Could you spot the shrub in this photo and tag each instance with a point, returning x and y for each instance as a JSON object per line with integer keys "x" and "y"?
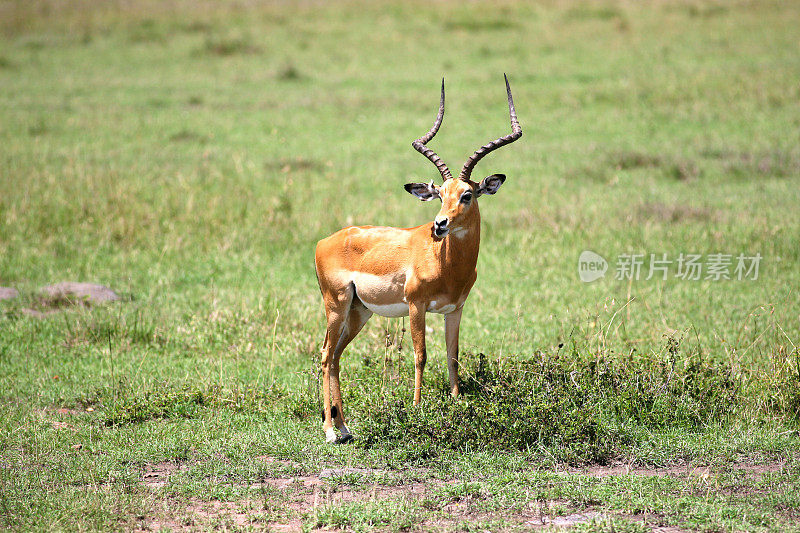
{"x": 578, "y": 409}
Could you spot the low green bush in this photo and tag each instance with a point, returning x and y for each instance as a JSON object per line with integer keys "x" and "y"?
{"x": 579, "y": 409}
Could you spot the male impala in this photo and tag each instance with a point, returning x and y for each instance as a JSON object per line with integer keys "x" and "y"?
{"x": 398, "y": 272}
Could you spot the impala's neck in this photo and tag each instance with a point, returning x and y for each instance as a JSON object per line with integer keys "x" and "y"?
{"x": 459, "y": 250}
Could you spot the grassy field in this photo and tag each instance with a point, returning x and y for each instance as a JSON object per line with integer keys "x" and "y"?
{"x": 189, "y": 155}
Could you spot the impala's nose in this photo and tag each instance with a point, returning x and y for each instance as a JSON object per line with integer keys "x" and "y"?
{"x": 440, "y": 228}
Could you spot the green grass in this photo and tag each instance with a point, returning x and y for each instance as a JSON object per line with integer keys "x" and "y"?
{"x": 190, "y": 154}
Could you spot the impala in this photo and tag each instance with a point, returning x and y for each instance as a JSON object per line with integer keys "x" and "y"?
{"x": 405, "y": 272}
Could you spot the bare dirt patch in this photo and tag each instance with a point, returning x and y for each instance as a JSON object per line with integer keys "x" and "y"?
{"x": 157, "y": 475}
{"x": 534, "y": 515}
{"x": 284, "y": 503}
{"x": 287, "y": 503}
{"x": 571, "y": 519}
{"x": 66, "y": 295}
{"x": 35, "y": 313}
{"x": 270, "y": 459}
{"x": 195, "y": 515}
{"x": 298, "y": 497}
{"x": 63, "y": 419}
{"x": 71, "y": 293}
{"x": 65, "y": 411}
{"x": 8, "y": 293}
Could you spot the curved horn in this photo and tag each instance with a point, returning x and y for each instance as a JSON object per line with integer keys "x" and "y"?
{"x": 516, "y": 133}
{"x": 419, "y": 144}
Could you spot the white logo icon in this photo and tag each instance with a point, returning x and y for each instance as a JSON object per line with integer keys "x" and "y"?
{"x": 591, "y": 266}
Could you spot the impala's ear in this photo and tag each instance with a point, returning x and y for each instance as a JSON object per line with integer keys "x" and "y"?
{"x": 490, "y": 184}
{"x": 423, "y": 191}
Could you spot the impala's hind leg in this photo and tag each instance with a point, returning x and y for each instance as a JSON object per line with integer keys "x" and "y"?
{"x": 346, "y": 316}
{"x": 356, "y": 319}
{"x": 337, "y": 307}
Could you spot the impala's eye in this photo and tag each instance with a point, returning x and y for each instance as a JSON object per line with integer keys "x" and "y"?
{"x": 466, "y": 197}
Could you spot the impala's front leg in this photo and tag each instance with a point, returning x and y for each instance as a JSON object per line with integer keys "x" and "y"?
{"x": 451, "y": 325}
{"x": 416, "y": 317}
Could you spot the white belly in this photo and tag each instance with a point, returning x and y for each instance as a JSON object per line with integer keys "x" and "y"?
{"x": 388, "y": 310}
{"x": 436, "y": 307}
{"x": 383, "y": 295}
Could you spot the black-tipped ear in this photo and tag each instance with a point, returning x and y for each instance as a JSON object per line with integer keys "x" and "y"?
{"x": 424, "y": 191}
{"x": 490, "y": 184}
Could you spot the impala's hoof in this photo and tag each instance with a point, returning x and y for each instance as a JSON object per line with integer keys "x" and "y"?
{"x": 330, "y": 436}
{"x": 344, "y": 439}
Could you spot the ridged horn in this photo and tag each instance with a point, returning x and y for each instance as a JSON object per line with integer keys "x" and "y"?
{"x": 516, "y": 133}
{"x": 419, "y": 144}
